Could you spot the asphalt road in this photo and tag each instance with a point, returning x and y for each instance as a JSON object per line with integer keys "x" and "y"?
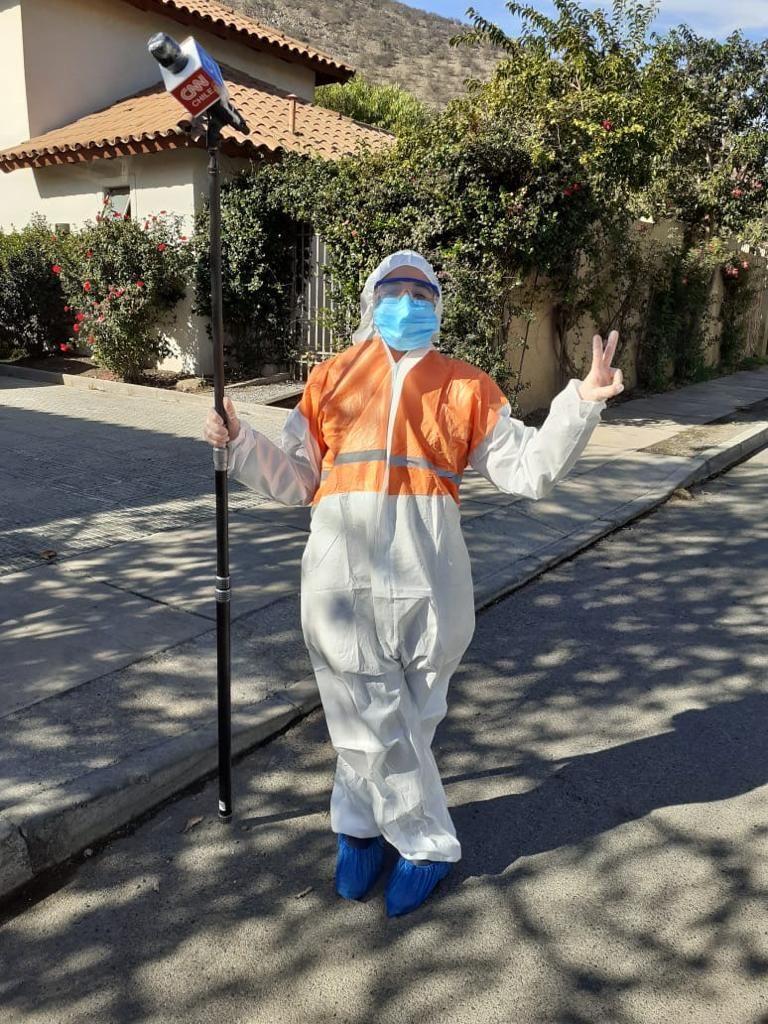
{"x": 606, "y": 763}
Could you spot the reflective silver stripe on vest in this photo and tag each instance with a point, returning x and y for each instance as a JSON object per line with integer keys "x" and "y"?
{"x": 404, "y": 460}
{"x": 375, "y": 455}
{"x": 380, "y": 455}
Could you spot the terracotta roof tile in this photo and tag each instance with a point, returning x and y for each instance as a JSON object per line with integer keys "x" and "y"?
{"x": 224, "y": 21}
{"x": 152, "y": 120}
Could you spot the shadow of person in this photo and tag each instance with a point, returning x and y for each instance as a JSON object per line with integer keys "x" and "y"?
{"x": 709, "y": 755}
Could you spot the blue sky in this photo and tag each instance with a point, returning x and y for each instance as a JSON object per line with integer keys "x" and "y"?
{"x": 707, "y": 17}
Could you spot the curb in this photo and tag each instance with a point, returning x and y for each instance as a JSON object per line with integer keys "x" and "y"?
{"x": 115, "y": 387}
{"x": 56, "y": 826}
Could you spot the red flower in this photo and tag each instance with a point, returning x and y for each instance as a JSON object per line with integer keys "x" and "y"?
{"x": 75, "y": 328}
{"x": 89, "y": 253}
{"x": 64, "y": 346}
{"x": 87, "y": 286}
{"x": 56, "y": 268}
{"x": 737, "y": 193}
{"x": 139, "y": 284}
{"x": 80, "y": 317}
{"x": 118, "y": 215}
{"x": 607, "y": 124}
{"x": 162, "y": 247}
{"x": 183, "y": 238}
{"x": 120, "y": 292}
{"x": 162, "y": 213}
{"x": 567, "y": 191}
{"x": 66, "y": 309}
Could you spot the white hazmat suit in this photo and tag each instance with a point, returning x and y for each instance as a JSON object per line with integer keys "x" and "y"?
{"x": 378, "y": 447}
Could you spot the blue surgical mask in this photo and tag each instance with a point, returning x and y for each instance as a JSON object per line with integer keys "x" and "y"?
{"x": 405, "y": 323}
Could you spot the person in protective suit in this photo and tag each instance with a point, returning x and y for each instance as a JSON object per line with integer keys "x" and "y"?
{"x": 377, "y": 446}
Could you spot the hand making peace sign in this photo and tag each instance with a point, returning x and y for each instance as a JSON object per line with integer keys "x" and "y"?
{"x": 603, "y": 381}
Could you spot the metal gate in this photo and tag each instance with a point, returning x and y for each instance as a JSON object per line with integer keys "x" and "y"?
{"x": 315, "y": 340}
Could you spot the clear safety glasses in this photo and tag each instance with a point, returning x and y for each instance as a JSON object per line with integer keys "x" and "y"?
{"x": 394, "y": 287}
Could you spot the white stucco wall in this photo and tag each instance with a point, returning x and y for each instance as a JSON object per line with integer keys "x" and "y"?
{"x": 82, "y": 55}
{"x": 14, "y": 124}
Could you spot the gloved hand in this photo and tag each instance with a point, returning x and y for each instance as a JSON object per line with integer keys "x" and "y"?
{"x": 214, "y": 430}
{"x": 603, "y": 380}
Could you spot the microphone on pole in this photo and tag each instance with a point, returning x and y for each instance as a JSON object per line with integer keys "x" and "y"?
{"x": 194, "y": 78}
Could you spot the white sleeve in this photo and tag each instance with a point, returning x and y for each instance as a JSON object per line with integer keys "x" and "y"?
{"x": 288, "y": 472}
{"x": 530, "y": 460}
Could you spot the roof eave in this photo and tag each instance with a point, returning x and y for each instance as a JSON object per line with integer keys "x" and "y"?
{"x": 326, "y": 72}
{"x": 71, "y": 155}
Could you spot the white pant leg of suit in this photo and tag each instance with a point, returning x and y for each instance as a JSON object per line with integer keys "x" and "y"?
{"x": 383, "y": 654}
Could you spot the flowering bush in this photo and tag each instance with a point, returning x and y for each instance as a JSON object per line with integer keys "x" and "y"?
{"x": 32, "y": 314}
{"x": 122, "y": 280}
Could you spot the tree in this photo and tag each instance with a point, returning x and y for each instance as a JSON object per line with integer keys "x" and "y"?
{"x": 711, "y": 107}
{"x": 385, "y": 106}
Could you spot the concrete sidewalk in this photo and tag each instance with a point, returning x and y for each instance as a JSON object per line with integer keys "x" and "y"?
{"x": 108, "y": 694}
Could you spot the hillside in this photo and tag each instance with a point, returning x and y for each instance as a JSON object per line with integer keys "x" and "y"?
{"x": 386, "y": 41}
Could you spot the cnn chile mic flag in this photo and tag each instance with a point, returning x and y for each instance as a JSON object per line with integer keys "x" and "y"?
{"x": 199, "y": 84}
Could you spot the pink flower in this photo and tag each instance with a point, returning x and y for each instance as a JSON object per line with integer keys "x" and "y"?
{"x": 75, "y": 328}
{"x": 80, "y": 317}
{"x": 607, "y": 124}
{"x": 101, "y": 318}
{"x": 66, "y": 309}
{"x": 162, "y": 247}
{"x": 64, "y": 346}
{"x": 56, "y": 268}
{"x": 737, "y": 193}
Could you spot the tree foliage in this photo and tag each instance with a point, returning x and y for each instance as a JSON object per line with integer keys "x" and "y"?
{"x": 386, "y": 106}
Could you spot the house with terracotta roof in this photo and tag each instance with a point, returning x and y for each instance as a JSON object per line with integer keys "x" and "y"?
{"x": 87, "y": 116}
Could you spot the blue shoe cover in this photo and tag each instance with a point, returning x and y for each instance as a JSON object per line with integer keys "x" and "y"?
{"x": 357, "y": 868}
{"x": 410, "y": 884}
